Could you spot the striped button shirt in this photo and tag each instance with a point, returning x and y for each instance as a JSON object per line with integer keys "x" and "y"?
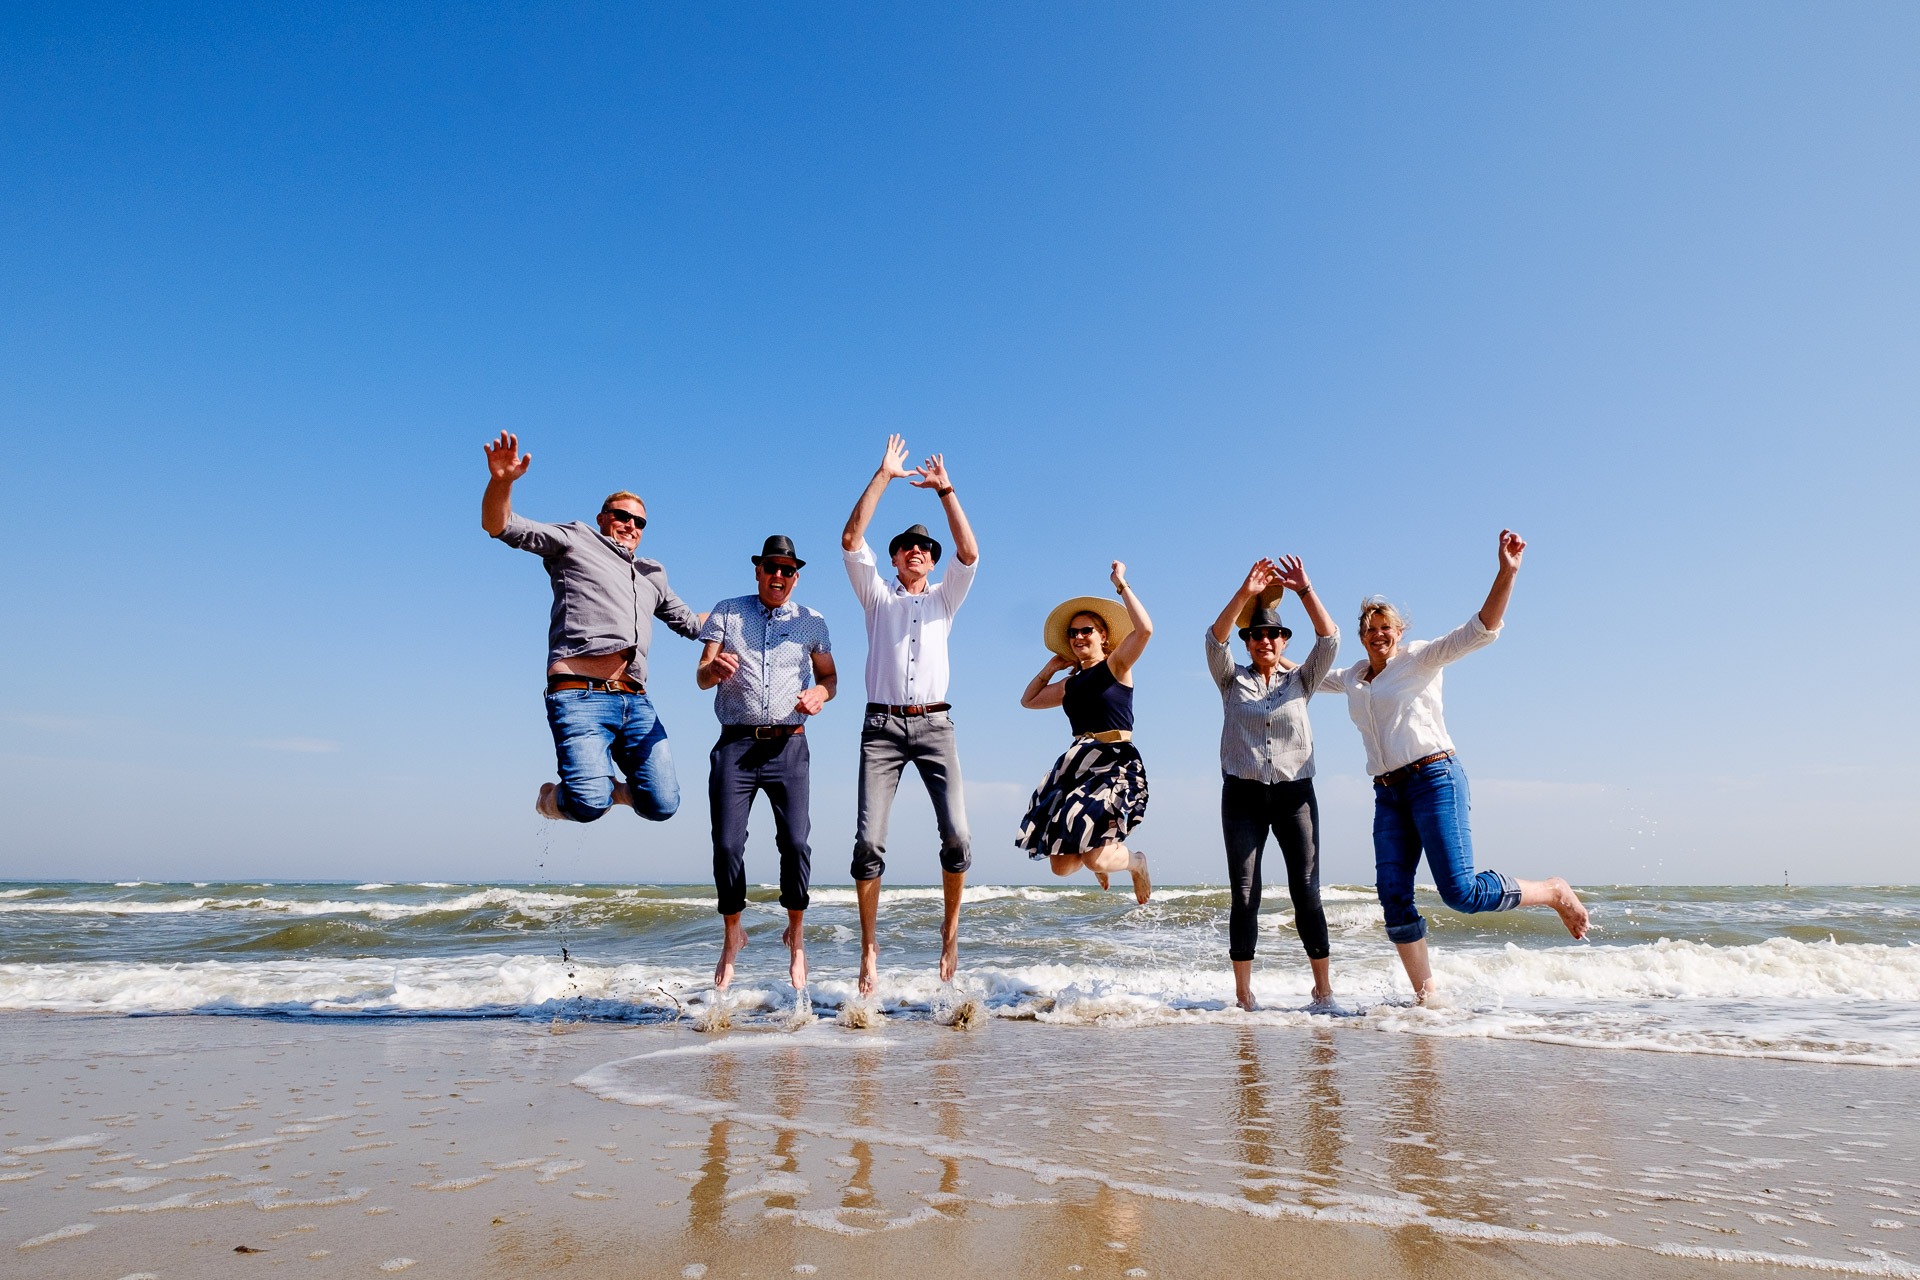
{"x": 1267, "y": 736}
{"x": 775, "y": 648}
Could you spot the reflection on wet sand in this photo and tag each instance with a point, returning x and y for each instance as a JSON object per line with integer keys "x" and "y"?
{"x": 707, "y": 1201}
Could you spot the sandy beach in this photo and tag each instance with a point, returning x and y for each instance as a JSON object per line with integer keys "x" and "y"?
{"x": 197, "y": 1146}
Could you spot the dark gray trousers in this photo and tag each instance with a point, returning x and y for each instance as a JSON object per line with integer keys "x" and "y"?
{"x": 889, "y": 743}
{"x": 1248, "y": 810}
{"x": 736, "y": 771}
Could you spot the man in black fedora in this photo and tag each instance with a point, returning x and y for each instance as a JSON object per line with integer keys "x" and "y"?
{"x": 772, "y": 663}
{"x": 908, "y": 621}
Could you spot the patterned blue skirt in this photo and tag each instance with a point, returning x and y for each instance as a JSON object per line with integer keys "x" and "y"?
{"x": 1095, "y": 792}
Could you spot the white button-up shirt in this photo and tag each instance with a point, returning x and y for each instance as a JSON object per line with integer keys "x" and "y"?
{"x": 1398, "y": 711}
{"x": 906, "y": 632}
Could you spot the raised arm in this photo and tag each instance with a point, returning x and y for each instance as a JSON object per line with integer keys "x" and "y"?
{"x": 1494, "y": 611}
{"x": 1128, "y": 651}
{"x": 505, "y": 464}
{"x": 892, "y": 467}
{"x": 1292, "y": 575}
{"x": 1041, "y": 695}
{"x": 933, "y": 474}
{"x": 1258, "y": 579}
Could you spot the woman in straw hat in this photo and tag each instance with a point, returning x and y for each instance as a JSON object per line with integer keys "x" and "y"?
{"x": 1419, "y": 789}
{"x": 1266, "y": 762}
{"x": 1096, "y": 791}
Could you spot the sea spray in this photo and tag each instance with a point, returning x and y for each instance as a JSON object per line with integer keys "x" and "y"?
{"x": 715, "y": 1015}
{"x": 801, "y": 1014}
{"x": 962, "y": 1012}
{"x": 861, "y": 1015}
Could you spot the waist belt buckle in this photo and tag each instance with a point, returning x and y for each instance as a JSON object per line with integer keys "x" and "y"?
{"x": 914, "y": 709}
{"x": 762, "y": 732}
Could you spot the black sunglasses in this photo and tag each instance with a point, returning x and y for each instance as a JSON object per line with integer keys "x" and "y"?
{"x": 625, "y": 517}
{"x": 1263, "y": 633}
{"x": 1081, "y": 631}
{"x": 780, "y": 570}
{"x": 918, "y": 544}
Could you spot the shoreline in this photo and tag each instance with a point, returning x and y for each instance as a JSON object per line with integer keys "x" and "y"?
{"x": 483, "y": 1148}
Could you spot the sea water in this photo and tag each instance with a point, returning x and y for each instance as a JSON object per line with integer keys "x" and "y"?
{"x": 1813, "y": 974}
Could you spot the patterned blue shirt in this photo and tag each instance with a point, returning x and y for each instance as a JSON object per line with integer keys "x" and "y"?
{"x": 775, "y": 648}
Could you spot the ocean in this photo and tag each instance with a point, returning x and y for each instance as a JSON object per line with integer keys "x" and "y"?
{"x": 1827, "y": 975}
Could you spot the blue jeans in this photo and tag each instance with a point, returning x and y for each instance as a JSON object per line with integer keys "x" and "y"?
{"x": 595, "y": 732}
{"x": 1427, "y": 809}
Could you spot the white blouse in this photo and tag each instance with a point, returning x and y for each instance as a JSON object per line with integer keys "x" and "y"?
{"x": 1398, "y": 711}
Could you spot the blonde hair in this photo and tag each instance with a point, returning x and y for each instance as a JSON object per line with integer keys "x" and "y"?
{"x": 612, "y": 498}
{"x": 1380, "y": 605}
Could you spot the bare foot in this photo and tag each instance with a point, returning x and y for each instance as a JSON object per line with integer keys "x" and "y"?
{"x": 730, "y": 948}
{"x": 622, "y": 795}
{"x": 547, "y": 803}
{"x": 1567, "y": 903}
{"x": 797, "y": 966}
{"x": 1142, "y": 886}
{"x": 949, "y": 954}
{"x": 869, "y": 969}
{"x": 1246, "y": 1001}
{"x": 1101, "y": 876}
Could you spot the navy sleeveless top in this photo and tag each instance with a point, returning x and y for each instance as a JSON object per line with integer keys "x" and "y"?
{"x": 1095, "y": 702}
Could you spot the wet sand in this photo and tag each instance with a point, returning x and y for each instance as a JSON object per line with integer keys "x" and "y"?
{"x": 199, "y": 1146}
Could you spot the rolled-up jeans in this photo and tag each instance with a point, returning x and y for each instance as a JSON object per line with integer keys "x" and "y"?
{"x": 596, "y": 732}
{"x": 1426, "y": 810}
{"x": 888, "y": 743}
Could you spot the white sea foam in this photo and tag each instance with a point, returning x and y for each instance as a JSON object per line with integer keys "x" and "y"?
{"x": 535, "y": 904}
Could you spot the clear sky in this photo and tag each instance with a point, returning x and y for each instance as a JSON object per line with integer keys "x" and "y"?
{"x": 1179, "y": 284}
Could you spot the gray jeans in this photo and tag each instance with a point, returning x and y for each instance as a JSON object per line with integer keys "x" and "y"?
{"x": 887, "y": 744}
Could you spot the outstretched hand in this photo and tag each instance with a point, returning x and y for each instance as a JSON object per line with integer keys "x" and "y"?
{"x": 894, "y": 465}
{"x": 1261, "y": 576}
{"x": 1292, "y": 575}
{"x": 934, "y": 474}
{"x": 504, "y": 459}
{"x": 1512, "y": 545}
{"x": 1118, "y": 575}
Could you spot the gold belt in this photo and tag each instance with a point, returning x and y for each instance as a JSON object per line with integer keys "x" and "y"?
{"x": 1107, "y": 735}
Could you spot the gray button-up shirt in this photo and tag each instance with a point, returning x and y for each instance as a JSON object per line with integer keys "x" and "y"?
{"x": 1267, "y": 736}
{"x": 604, "y": 600}
{"x": 775, "y": 648}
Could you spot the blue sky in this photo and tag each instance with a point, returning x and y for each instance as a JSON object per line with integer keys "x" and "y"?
{"x": 1178, "y": 284}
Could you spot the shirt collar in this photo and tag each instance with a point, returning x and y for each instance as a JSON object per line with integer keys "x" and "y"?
{"x": 900, "y": 589}
{"x": 780, "y": 612}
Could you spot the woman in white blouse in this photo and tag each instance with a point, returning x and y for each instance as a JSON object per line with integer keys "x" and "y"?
{"x": 1419, "y": 788}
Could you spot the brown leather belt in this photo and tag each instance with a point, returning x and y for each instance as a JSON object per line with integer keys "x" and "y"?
{"x": 910, "y": 709}
{"x": 1392, "y": 776}
{"x": 761, "y": 732}
{"x": 619, "y": 684}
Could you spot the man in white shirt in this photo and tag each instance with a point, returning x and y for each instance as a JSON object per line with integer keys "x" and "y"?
{"x": 908, "y": 620}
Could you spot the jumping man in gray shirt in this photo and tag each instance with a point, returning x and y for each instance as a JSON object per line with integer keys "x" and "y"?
{"x": 611, "y": 746}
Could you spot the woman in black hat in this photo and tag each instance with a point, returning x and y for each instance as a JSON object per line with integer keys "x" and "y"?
{"x": 1096, "y": 792}
{"x": 1266, "y": 762}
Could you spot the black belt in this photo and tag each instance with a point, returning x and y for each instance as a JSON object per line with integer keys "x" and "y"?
{"x": 762, "y": 732}
{"x": 910, "y": 709}
{"x": 619, "y": 684}
{"x": 1392, "y": 776}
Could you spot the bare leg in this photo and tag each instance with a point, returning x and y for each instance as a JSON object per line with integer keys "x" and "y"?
{"x": 1065, "y": 864}
{"x": 1322, "y": 978}
{"x": 1558, "y": 894}
{"x": 1413, "y": 955}
{"x": 797, "y": 944}
{"x": 731, "y": 944}
{"x": 1243, "y": 985}
{"x": 622, "y": 794}
{"x": 868, "y": 893}
{"x": 951, "y": 882}
{"x": 1101, "y": 876}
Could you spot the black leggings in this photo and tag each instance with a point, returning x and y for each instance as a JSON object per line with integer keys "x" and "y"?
{"x": 1247, "y": 810}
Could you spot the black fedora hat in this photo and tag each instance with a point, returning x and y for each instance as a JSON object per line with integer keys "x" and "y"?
{"x": 779, "y": 544}
{"x": 914, "y": 533}
{"x": 1264, "y": 614}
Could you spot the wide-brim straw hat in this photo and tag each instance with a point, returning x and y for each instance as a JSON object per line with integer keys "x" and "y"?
{"x": 1112, "y": 612}
{"x": 1267, "y": 608}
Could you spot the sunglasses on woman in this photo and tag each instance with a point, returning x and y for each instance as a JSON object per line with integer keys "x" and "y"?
{"x": 1081, "y": 631}
{"x": 625, "y": 517}
{"x": 1263, "y": 633}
